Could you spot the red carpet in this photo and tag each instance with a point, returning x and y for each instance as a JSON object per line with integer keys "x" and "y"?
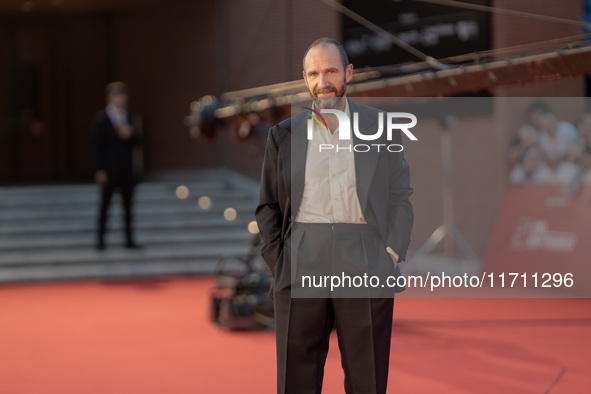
{"x": 154, "y": 337}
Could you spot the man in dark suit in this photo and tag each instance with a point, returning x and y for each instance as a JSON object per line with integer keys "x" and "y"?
{"x": 114, "y": 135}
{"x": 325, "y": 213}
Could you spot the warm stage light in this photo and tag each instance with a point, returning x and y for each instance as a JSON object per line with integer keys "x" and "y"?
{"x": 204, "y": 202}
{"x": 230, "y": 214}
{"x": 253, "y": 228}
{"x": 182, "y": 192}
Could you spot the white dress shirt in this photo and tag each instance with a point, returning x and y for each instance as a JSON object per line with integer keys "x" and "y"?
{"x": 116, "y": 115}
{"x": 330, "y": 187}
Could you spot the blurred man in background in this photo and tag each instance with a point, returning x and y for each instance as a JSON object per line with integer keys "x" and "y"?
{"x": 114, "y": 136}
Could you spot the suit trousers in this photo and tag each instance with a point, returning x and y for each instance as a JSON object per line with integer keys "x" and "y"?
{"x": 125, "y": 186}
{"x": 305, "y": 317}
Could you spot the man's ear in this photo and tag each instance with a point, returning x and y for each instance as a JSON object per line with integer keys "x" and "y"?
{"x": 349, "y": 73}
{"x": 305, "y": 78}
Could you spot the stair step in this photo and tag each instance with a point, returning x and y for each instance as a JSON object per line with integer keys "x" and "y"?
{"x": 115, "y": 255}
{"x": 10, "y": 192}
{"x": 165, "y": 212}
{"x": 148, "y": 237}
{"x": 74, "y": 226}
{"x": 9, "y": 215}
{"x": 26, "y": 202}
{"x": 108, "y": 271}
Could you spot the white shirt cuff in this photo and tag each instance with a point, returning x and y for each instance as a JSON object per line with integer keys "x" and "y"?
{"x": 392, "y": 252}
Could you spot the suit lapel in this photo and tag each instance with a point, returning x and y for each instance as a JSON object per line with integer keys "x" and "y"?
{"x": 110, "y": 125}
{"x": 299, "y": 151}
{"x": 365, "y": 162}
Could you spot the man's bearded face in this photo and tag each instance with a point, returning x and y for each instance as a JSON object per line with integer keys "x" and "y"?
{"x": 327, "y": 102}
{"x": 326, "y": 76}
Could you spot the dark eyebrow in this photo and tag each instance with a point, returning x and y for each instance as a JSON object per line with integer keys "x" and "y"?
{"x": 326, "y": 70}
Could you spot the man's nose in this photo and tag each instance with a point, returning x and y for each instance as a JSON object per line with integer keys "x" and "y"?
{"x": 322, "y": 81}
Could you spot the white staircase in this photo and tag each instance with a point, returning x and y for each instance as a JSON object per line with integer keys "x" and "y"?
{"x": 48, "y": 232}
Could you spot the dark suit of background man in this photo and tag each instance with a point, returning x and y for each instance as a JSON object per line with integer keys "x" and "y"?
{"x": 114, "y": 136}
{"x": 303, "y": 223}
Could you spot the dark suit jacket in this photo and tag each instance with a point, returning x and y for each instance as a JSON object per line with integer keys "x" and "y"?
{"x": 111, "y": 153}
{"x": 383, "y": 185}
